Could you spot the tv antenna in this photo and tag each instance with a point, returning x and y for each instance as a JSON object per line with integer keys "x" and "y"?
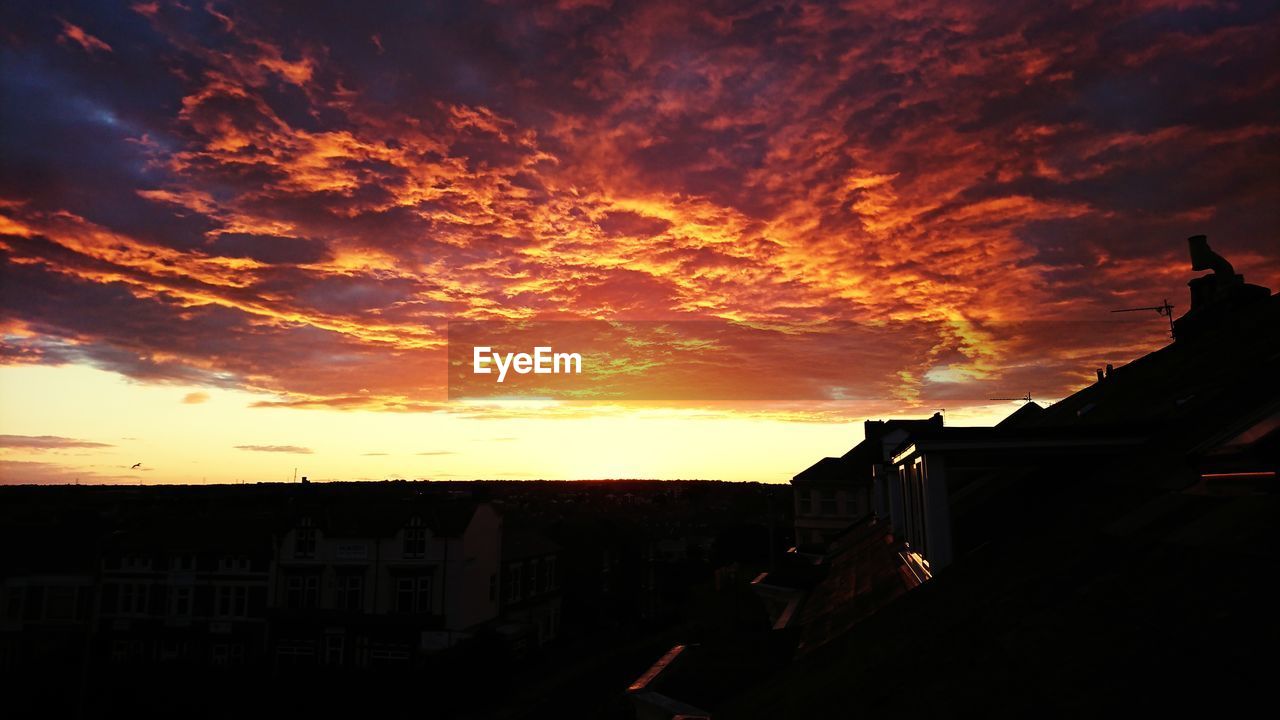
{"x": 1025, "y": 398}
{"x": 1166, "y": 310}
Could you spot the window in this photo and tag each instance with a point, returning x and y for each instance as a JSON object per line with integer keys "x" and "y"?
{"x": 413, "y": 594}
{"x": 388, "y": 655}
{"x": 293, "y": 653}
{"x": 549, "y": 567}
{"x": 847, "y": 502}
{"x": 135, "y": 562}
{"x": 535, "y": 579}
{"x": 233, "y": 564}
{"x": 304, "y": 543}
{"x": 231, "y": 601}
{"x": 829, "y": 502}
{"x": 813, "y": 502}
{"x": 13, "y": 602}
{"x": 334, "y": 647}
{"x": 350, "y": 592}
{"x": 171, "y": 650}
{"x": 513, "y": 582}
{"x": 180, "y": 601}
{"x": 132, "y": 599}
{"x": 224, "y": 654}
{"x": 415, "y": 539}
{"x": 302, "y": 591}
{"x": 60, "y": 602}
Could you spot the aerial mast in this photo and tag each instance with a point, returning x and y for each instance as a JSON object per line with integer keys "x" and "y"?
{"x": 1165, "y": 309}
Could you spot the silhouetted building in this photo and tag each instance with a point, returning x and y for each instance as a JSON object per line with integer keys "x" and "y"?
{"x": 369, "y": 584}
{"x": 1122, "y": 530}
{"x": 835, "y": 493}
{"x": 530, "y": 589}
{"x": 49, "y": 594}
{"x": 185, "y": 591}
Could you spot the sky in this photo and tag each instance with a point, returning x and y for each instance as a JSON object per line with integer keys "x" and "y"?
{"x": 233, "y": 235}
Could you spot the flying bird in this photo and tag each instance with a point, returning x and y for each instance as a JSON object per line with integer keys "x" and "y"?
{"x": 136, "y": 466}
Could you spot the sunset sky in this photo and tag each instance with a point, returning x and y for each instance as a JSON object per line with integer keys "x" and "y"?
{"x": 233, "y": 235}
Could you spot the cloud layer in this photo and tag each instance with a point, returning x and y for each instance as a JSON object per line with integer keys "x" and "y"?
{"x": 298, "y": 199}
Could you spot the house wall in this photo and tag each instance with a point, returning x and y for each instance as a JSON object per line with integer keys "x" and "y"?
{"x": 817, "y": 521}
{"x": 475, "y": 567}
{"x": 920, "y": 506}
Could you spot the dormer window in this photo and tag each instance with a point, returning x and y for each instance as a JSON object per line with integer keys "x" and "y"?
{"x": 304, "y": 544}
{"x": 135, "y": 563}
{"x": 233, "y": 564}
{"x": 415, "y": 539}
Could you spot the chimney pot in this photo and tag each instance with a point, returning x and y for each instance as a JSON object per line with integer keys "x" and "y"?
{"x": 1100, "y": 375}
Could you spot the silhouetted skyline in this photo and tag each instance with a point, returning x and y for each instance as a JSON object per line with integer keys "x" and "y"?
{"x": 230, "y": 229}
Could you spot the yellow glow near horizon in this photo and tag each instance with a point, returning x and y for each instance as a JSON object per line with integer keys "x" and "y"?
{"x": 180, "y": 442}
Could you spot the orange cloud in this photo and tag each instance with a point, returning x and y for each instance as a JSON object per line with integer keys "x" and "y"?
{"x": 77, "y": 35}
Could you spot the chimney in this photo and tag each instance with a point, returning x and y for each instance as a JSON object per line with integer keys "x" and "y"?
{"x": 1217, "y": 296}
{"x": 1202, "y": 258}
{"x": 1109, "y": 369}
{"x": 1100, "y": 375}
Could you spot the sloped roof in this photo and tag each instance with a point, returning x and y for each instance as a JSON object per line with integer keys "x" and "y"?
{"x": 866, "y": 453}
{"x": 1102, "y": 593}
{"x": 1197, "y": 383}
{"x": 826, "y": 470}
{"x": 1022, "y": 416}
{"x": 864, "y": 574}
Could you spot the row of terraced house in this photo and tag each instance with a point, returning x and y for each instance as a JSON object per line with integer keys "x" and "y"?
{"x": 344, "y": 584}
